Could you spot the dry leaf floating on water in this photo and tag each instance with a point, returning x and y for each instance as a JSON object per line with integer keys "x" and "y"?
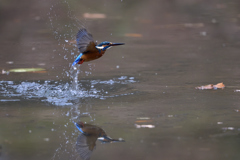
{"x": 211, "y": 86}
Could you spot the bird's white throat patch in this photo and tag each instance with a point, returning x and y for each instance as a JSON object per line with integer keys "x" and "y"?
{"x": 102, "y": 47}
{"x": 99, "y": 47}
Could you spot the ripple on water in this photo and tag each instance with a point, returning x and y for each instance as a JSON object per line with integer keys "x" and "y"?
{"x": 60, "y": 93}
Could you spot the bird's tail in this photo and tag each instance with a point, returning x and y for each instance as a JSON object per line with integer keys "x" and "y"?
{"x": 77, "y": 59}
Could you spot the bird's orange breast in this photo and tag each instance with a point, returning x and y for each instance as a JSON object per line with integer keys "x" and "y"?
{"x": 92, "y": 56}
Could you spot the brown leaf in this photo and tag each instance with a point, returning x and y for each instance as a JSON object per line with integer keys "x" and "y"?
{"x": 143, "y": 121}
{"x": 94, "y": 15}
{"x": 219, "y": 85}
{"x": 211, "y": 86}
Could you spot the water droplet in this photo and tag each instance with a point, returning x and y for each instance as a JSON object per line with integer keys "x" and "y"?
{"x": 9, "y": 62}
{"x": 203, "y": 33}
{"x": 214, "y": 21}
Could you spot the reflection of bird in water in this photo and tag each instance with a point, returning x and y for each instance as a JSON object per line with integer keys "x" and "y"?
{"x": 85, "y": 145}
{"x": 92, "y": 130}
{"x": 86, "y": 141}
{"x": 89, "y": 50}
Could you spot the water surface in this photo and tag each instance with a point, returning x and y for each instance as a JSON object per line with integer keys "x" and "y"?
{"x": 143, "y": 92}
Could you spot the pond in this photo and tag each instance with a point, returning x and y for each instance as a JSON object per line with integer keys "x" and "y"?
{"x": 142, "y": 92}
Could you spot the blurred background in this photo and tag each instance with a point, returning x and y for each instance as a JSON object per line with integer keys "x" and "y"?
{"x": 143, "y": 92}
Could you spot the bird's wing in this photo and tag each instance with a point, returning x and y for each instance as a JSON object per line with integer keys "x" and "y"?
{"x": 84, "y": 40}
{"x": 91, "y": 48}
{"x": 83, "y": 148}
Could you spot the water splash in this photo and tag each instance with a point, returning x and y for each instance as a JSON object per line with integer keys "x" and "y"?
{"x": 63, "y": 93}
{"x": 74, "y": 72}
{"x": 64, "y": 25}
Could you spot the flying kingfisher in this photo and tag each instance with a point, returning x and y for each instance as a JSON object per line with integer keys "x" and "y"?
{"x": 90, "y": 50}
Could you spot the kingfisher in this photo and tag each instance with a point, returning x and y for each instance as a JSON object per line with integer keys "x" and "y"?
{"x": 90, "y": 50}
{"x": 95, "y": 131}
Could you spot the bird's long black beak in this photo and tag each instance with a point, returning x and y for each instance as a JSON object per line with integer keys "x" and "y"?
{"x": 116, "y": 44}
